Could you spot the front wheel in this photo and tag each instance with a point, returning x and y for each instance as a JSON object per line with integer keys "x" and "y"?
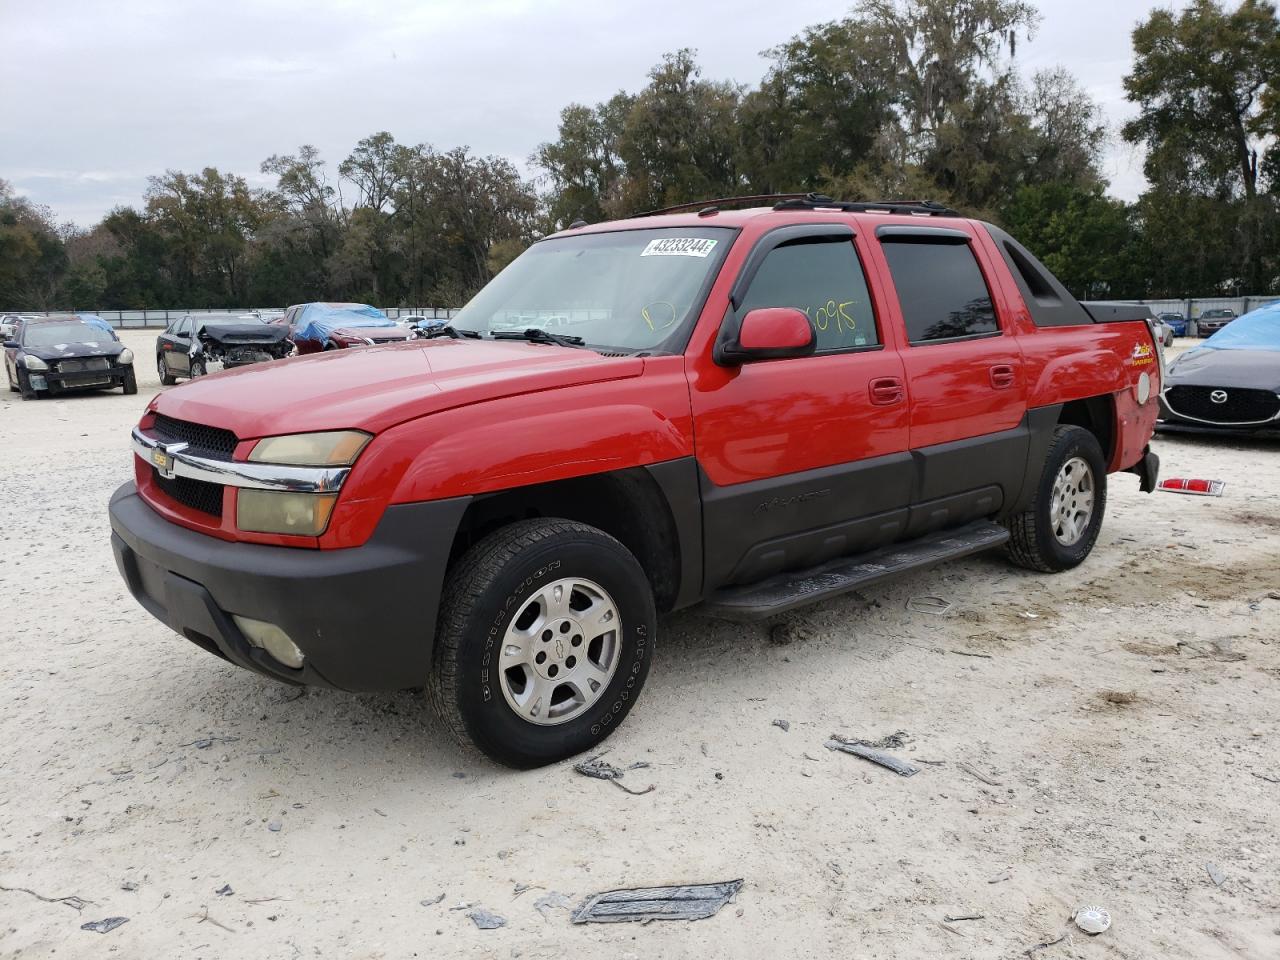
{"x": 1062, "y": 524}
{"x": 544, "y": 641}
{"x": 24, "y": 386}
{"x": 130, "y": 383}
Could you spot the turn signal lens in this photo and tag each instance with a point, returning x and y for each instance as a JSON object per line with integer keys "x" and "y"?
{"x": 269, "y": 637}
{"x": 296, "y": 514}
{"x": 332, "y": 448}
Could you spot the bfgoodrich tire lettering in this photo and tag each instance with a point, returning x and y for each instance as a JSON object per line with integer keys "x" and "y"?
{"x": 487, "y": 590}
{"x": 1036, "y": 540}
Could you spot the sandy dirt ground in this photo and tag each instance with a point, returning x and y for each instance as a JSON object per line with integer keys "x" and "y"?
{"x": 1125, "y": 714}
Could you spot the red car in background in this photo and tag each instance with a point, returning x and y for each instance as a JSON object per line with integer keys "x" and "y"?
{"x": 314, "y": 327}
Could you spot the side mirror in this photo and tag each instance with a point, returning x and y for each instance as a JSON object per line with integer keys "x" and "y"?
{"x": 768, "y": 333}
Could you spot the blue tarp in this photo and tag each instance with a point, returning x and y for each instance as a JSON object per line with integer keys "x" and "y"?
{"x": 96, "y": 321}
{"x": 1256, "y": 330}
{"x": 319, "y": 320}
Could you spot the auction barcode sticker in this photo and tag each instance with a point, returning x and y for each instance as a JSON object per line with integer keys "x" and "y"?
{"x": 679, "y": 247}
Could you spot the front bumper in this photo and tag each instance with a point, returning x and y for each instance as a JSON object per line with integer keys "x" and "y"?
{"x": 364, "y": 616}
{"x": 112, "y": 376}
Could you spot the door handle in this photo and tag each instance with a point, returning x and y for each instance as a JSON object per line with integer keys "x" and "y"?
{"x": 886, "y": 391}
{"x": 1002, "y": 376}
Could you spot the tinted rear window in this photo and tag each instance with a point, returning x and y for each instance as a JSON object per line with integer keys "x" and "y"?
{"x": 941, "y": 289}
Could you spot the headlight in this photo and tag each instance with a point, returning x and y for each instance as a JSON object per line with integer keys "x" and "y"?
{"x": 34, "y": 363}
{"x": 332, "y": 448}
{"x": 298, "y": 514}
{"x": 126, "y": 357}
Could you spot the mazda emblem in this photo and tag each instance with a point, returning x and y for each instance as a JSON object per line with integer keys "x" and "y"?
{"x": 1218, "y": 396}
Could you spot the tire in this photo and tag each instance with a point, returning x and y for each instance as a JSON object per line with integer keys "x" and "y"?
{"x": 489, "y": 597}
{"x": 1050, "y": 536}
{"x": 167, "y": 379}
{"x": 198, "y": 369}
{"x": 24, "y": 386}
{"x": 330, "y": 345}
{"x": 130, "y": 383}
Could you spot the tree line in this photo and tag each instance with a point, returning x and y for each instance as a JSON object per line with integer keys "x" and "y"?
{"x": 899, "y": 99}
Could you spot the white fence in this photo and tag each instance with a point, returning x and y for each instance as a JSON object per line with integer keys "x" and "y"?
{"x": 138, "y": 319}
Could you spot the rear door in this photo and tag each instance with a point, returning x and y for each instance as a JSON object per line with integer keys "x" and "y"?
{"x": 802, "y": 459}
{"x": 964, "y": 374}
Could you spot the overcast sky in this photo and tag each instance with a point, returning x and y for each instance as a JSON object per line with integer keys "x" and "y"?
{"x": 94, "y": 97}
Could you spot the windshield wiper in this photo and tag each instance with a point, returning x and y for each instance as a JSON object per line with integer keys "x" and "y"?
{"x": 538, "y": 335}
{"x": 453, "y": 333}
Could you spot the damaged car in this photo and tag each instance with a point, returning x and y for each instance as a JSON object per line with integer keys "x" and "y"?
{"x": 336, "y": 326}
{"x": 57, "y": 354}
{"x": 1229, "y": 383}
{"x": 198, "y": 344}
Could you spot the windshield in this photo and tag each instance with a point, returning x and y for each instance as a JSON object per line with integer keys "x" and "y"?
{"x": 632, "y": 290}
{"x": 52, "y": 334}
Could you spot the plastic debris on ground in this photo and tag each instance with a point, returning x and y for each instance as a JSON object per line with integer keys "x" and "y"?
{"x": 783, "y": 725}
{"x": 1215, "y": 874}
{"x": 643, "y": 904}
{"x": 598, "y": 769}
{"x": 934, "y": 605}
{"x": 1092, "y": 920}
{"x": 104, "y": 926}
{"x": 486, "y": 920}
{"x": 859, "y": 749}
{"x": 1196, "y": 488}
{"x": 552, "y": 901}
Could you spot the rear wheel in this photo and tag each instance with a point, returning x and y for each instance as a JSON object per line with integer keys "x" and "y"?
{"x": 198, "y": 369}
{"x": 544, "y": 641}
{"x": 167, "y": 379}
{"x": 1062, "y": 524}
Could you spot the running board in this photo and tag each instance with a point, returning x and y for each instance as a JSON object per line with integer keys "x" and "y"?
{"x": 787, "y": 591}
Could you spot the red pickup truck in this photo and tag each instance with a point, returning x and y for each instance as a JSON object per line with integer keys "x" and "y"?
{"x": 750, "y": 409}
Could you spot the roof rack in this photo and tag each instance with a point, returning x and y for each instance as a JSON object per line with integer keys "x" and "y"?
{"x": 710, "y": 206}
{"x": 812, "y": 201}
{"x": 916, "y": 208}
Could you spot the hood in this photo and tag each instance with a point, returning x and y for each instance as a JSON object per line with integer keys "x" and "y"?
{"x": 1258, "y": 369}
{"x": 375, "y": 389}
{"x": 374, "y": 333}
{"x": 65, "y": 351}
{"x": 244, "y": 333}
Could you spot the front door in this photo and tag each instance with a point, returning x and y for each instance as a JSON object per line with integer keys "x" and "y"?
{"x": 964, "y": 373}
{"x": 803, "y": 459}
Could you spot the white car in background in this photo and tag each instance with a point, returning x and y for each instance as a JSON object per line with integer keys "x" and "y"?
{"x": 9, "y": 325}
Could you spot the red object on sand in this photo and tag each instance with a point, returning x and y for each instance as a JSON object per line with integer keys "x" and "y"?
{"x": 1199, "y": 488}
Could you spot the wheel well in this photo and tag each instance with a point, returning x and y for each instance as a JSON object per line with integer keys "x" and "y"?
{"x": 627, "y": 505}
{"x": 1097, "y": 415}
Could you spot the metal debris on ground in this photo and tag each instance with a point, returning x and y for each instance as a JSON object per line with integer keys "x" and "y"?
{"x": 224, "y": 891}
{"x": 934, "y": 605}
{"x": 552, "y": 901}
{"x": 104, "y": 926}
{"x": 894, "y": 741}
{"x": 1001, "y": 879}
{"x": 978, "y": 775}
{"x": 964, "y": 916}
{"x": 129, "y": 886}
{"x": 900, "y": 767}
{"x": 970, "y": 653}
{"x": 1092, "y": 920}
{"x": 643, "y": 904}
{"x": 783, "y": 725}
{"x": 1215, "y": 874}
{"x": 600, "y": 770}
{"x": 486, "y": 920}
{"x": 433, "y": 901}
